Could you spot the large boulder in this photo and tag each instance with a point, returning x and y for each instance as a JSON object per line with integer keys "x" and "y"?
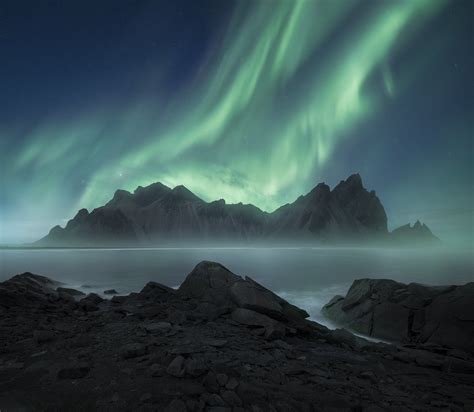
{"x": 209, "y": 282}
{"x": 212, "y": 283}
{"x": 411, "y": 313}
{"x": 249, "y": 294}
{"x": 156, "y": 291}
{"x": 27, "y": 289}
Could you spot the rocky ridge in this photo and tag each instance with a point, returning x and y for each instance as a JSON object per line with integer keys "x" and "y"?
{"x": 157, "y": 214}
{"x": 219, "y": 343}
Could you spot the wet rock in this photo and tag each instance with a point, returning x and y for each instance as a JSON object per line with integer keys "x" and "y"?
{"x": 110, "y": 292}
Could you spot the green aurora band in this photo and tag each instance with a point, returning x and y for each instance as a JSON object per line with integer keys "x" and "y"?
{"x": 257, "y": 123}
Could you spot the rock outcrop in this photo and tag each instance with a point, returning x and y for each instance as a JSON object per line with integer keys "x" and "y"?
{"x": 411, "y": 313}
{"x": 158, "y": 214}
{"x": 219, "y": 343}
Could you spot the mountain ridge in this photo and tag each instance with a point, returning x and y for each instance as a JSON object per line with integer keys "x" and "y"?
{"x": 158, "y": 214}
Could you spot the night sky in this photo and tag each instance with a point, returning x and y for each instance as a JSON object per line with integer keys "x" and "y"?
{"x": 253, "y": 101}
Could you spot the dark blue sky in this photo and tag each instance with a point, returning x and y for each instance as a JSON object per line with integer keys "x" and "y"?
{"x": 252, "y": 101}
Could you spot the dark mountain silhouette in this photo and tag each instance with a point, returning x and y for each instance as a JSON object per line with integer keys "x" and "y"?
{"x": 158, "y": 214}
{"x": 419, "y": 232}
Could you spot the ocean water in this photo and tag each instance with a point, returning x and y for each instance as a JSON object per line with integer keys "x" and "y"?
{"x": 306, "y": 277}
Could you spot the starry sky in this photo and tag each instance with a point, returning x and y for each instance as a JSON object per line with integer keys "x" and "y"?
{"x": 250, "y": 100}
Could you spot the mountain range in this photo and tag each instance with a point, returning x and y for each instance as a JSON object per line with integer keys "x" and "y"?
{"x": 157, "y": 214}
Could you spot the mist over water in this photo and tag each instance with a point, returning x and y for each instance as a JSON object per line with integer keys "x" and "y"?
{"x": 307, "y": 277}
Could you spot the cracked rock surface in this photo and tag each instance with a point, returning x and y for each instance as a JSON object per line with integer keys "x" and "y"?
{"x": 413, "y": 313}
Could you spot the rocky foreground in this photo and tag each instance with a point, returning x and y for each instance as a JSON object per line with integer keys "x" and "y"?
{"x": 218, "y": 343}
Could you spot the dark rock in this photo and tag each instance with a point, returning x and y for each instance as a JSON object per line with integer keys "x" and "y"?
{"x": 210, "y": 382}
{"x": 231, "y": 398}
{"x": 27, "y": 289}
{"x": 146, "y": 397}
{"x": 274, "y": 331}
{"x": 133, "y": 350}
{"x": 218, "y": 343}
{"x": 43, "y": 336}
{"x": 110, "y": 292}
{"x": 90, "y": 302}
{"x": 176, "y": 405}
{"x": 249, "y": 294}
{"x": 176, "y": 367}
{"x": 214, "y": 399}
{"x": 77, "y": 371}
{"x": 232, "y": 384}
{"x": 209, "y": 282}
{"x": 156, "y": 370}
{"x": 217, "y": 286}
{"x": 251, "y": 318}
{"x": 177, "y": 317}
{"x": 156, "y": 291}
{"x": 407, "y": 313}
{"x": 195, "y": 367}
{"x": 69, "y": 291}
{"x": 222, "y": 378}
{"x": 158, "y": 327}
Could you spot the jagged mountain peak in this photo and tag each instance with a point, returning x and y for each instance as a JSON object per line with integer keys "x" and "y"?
{"x": 184, "y": 193}
{"x": 152, "y": 187}
{"x": 352, "y": 184}
{"x": 156, "y": 212}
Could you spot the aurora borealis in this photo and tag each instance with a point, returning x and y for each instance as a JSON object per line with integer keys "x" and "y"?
{"x": 252, "y": 101}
